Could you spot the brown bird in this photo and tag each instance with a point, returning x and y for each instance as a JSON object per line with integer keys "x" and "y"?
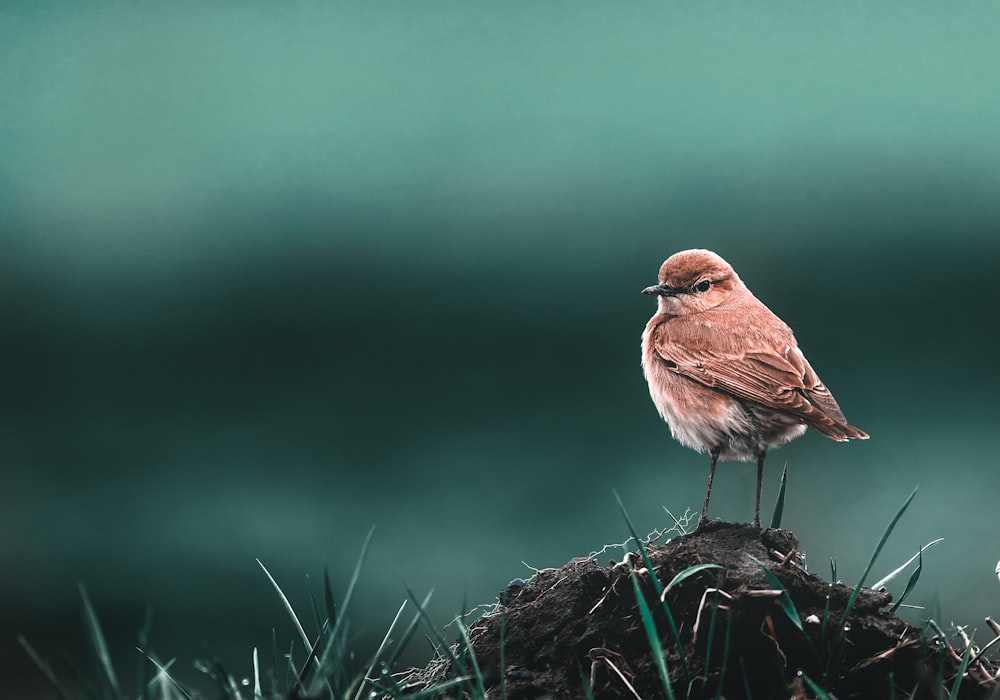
{"x": 725, "y": 373}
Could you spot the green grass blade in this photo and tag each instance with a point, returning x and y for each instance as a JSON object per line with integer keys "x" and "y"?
{"x": 826, "y": 620}
{"x": 45, "y": 668}
{"x": 142, "y": 668}
{"x": 100, "y": 647}
{"x": 223, "y": 678}
{"x": 961, "y": 671}
{"x": 911, "y": 582}
{"x": 819, "y": 692}
{"x": 588, "y": 692}
{"x": 671, "y": 624}
{"x": 652, "y": 635}
{"x": 687, "y": 573}
{"x": 332, "y": 639}
{"x": 313, "y": 655}
{"x": 288, "y": 607}
{"x": 784, "y": 601}
{"x": 407, "y": 635}
{"x": 779, "y": 506}
{"x": 256, "y": 676}
{"x": 379, "y": 651}
{"x": 871, "y": 562}
{"x": 159, "y": 686}
{"x": 883, "y": 581}
{"x": 836, "y": 656}
{"x": 711, "y": 633}
{"x": 331, "y": 606}
{"x": 439, "y": 643}
{"x": 162, "y": 673}
{"x": 290, "y": 670}
{"x": 476, "y": 671}
{"x": 318, "y": 618}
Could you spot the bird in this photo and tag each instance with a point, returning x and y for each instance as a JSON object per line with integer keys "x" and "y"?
{"x": 725, "y": 373}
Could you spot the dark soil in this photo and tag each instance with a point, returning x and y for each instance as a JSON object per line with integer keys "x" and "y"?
{"x": 580, "y": 623}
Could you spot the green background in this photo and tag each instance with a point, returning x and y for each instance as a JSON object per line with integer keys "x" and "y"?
{"x": 273, "y": 273}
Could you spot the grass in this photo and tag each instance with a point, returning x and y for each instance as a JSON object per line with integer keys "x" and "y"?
{"x": 836, "y": 657}
{"x": 322, "y": 663}
{"x": 326, "y": 659}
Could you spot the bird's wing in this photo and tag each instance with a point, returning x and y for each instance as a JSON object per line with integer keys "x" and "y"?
{"x": 776, "y": 376}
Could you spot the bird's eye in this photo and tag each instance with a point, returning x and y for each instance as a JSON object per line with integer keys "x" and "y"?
{"x": 702, "y": 286}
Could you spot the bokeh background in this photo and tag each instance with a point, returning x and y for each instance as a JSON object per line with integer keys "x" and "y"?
{"x": 272, "y": 274}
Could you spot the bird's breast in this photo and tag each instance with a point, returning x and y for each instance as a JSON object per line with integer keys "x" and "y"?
{"x": 698, "y": 417}
{"x": 704, "y": 419}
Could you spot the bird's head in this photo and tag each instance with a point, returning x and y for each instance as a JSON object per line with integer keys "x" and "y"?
{"x": 693, "y": 281}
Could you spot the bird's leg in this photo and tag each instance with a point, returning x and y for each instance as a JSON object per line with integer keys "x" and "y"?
{"x": 760, "y": 478}
{"x": 708, "y": 488}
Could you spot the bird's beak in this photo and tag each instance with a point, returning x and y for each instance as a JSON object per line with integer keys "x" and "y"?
{"x": 660, "y": 290}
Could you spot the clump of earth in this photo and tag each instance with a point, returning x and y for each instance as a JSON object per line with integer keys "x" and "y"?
{"x": 742, "y": 634}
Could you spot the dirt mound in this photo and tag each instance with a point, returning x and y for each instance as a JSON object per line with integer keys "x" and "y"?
{"x": 580, "y": 624}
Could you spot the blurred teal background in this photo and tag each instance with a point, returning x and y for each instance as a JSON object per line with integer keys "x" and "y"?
{"x": 273, "y": 273}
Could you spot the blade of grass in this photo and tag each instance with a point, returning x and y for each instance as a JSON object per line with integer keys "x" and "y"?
{"x": 652, "y": 635}
{"x": 779, "y": 506}
{"x": 711, "y": 633}
{"x": 837, "y": 652}
{"x": 288, "y": 607}
{"x": 476, "y": 671}
{"x": 312, "y": 656}
{"x": 290, "y": 670}
{"x": 158, "y": 686}
{"x": 380, "y": 650}
{"x": 328, "y": 646}
{"x": 45, "y": 668}
{"x": 440, "y": 645}
{"x": 961, "y": 671}
{"x": 407, "y": 635}
{"x": 223, "y": 678}
{"x": 674, "y": 633}
{"x": 463, "y": 650}
{"x": 871, "y": 562}
{"x": 820, "y": 693}
{"x": 787, "y": 606}
{"x": 687, "y": 573}
{"x": 826, "y": 620}
{"x": 331, "y": 606}
{"x": 910, "y": 583}
{"x": 100, "y": 647}
{"x": 883, "y": 581}
{"x": 784, "y": 601}
{"x": 256, "y": 676}
{"x": 142, "y": 668}
{"x": 318, "y": 618}
{"x": 162, "y": 669}
{"x": 585, "y": 682}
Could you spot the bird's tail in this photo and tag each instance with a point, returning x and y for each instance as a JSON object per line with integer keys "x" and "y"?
{"x": 841, "y": 432}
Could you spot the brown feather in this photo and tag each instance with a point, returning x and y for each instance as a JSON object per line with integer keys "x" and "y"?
{"x": 752, "y": 355}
